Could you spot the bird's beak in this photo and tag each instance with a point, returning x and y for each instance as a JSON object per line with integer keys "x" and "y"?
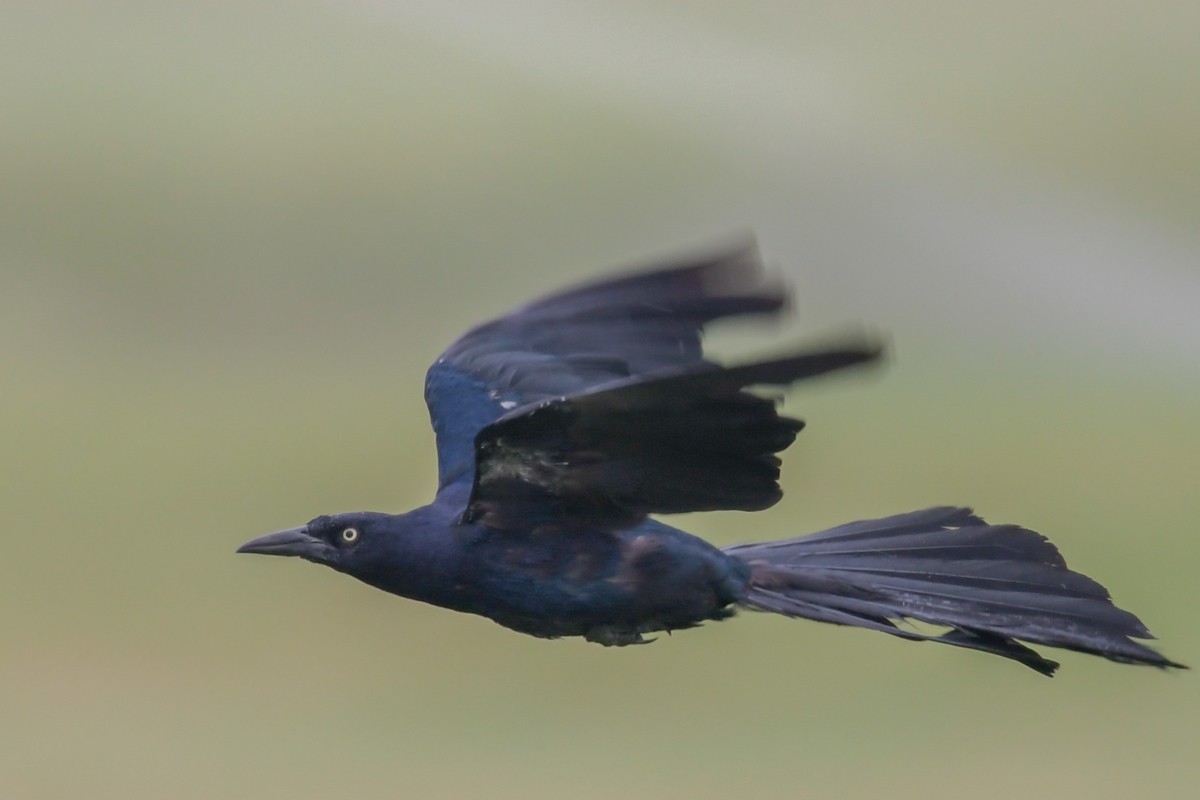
{"x": 291, "y": 542}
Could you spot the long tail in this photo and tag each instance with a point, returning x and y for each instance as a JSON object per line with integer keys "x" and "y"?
{"x": 991, "y": 584}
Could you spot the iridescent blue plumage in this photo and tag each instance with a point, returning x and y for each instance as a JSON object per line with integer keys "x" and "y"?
{"x": 563, "y": 425}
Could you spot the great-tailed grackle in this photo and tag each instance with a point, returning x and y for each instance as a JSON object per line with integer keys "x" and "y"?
{"x": 562, "y": 426}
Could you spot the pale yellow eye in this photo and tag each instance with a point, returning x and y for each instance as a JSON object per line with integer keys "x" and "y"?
{"x": 350, "y": 535}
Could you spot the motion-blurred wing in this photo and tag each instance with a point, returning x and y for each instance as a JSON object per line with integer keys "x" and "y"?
{"x": 687, "y": 438}
{"x": 597, "y": 334}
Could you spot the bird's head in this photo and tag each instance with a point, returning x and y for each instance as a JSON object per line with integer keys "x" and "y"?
{"x": 341, "y": 541}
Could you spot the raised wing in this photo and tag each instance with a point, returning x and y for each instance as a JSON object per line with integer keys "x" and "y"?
{"x": 574, "y": 341}
{"x": 688, "y": 438}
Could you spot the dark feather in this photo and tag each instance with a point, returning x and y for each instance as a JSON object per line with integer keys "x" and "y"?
{"x": 991, "y": 584}
{"x": 592, "y": 335}
{"x": 686, "y": 439}
{"x": 630, "y": 325}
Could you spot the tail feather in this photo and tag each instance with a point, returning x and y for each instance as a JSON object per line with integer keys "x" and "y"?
{"x": 990, "y": 584}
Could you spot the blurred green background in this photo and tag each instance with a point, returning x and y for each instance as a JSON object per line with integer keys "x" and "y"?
{"x": 232, "y": 235}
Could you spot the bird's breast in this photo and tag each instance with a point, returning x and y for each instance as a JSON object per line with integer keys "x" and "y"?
{"x": 560, "y": 584}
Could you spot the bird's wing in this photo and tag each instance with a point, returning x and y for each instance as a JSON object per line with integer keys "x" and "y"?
{"x": 687, "y": 438}
{"x": 595, "y": 406}
{"x": 569, "y": 343}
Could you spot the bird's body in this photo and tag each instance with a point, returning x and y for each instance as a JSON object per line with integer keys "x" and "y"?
{"x": 562, "y": 426}
{"x": 547, "y": 582}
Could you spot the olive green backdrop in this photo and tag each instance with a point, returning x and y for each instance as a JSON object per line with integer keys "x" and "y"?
{"x": 233, "y": 235}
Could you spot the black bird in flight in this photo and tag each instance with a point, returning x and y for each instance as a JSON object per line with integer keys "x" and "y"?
{"x": 562, "y": 426}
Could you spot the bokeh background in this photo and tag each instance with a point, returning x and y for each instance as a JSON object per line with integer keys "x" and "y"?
{"x": 232, "y": 235}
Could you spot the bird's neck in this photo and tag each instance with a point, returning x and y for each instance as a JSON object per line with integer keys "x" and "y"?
{"x": 423, "y": 558}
